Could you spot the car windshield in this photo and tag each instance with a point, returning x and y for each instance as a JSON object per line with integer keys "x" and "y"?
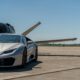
{"x": 9, "y": 39}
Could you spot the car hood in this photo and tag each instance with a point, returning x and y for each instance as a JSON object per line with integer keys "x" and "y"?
{"x": 8, "y": 46}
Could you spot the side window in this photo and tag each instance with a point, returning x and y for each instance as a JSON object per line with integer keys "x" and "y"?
{"x": 29, "y": 41}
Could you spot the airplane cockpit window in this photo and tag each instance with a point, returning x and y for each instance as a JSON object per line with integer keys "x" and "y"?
{"x": 3, "y": 28}
{"x": 11, "y": 28}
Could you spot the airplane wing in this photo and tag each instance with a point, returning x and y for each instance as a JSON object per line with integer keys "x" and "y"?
{"x": 57, "y": 40}
{"x": 30, "y": 29}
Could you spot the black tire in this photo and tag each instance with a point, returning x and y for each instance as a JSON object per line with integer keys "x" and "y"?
{"x": 24, "y": 57}
{"x": 36, "y": 54}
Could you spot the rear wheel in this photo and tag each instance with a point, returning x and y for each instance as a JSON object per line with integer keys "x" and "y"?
{"x": 24, "y": 57}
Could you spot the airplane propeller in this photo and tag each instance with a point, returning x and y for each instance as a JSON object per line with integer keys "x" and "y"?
{"x": 57, "y": 40}
{"x": 45, "y": 41}
{"x": 30, "y": 29}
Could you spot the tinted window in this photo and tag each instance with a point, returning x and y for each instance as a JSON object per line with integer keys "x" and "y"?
{"x": 3, "y": 28}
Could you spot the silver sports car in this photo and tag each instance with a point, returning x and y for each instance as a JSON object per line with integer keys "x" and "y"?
{"x": 16, "y": 50}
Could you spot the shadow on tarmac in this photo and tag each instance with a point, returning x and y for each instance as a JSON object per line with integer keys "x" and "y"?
{"x": 27, "y": 67}
{"x": 58, "y": 55}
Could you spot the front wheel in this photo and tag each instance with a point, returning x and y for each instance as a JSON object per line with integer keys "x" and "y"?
{"x": 36, "y": 54}
{"x": 24, "y": 57}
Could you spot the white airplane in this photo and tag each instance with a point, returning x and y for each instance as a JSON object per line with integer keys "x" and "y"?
{"x": 17, "y": 50}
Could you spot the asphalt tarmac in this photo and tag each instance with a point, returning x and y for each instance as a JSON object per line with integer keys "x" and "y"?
{"x": 54, "y": 63}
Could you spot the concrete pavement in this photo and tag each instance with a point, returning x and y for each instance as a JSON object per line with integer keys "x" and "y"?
{"x": 48, "y": 67}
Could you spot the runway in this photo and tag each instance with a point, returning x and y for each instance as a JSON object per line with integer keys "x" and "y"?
{"x": 54, "y": 63}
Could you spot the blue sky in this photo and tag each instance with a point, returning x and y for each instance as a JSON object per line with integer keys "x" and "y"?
{"x": 60, "y": 18}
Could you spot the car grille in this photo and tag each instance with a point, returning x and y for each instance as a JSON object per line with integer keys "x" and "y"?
{"x": 7, "y": 61}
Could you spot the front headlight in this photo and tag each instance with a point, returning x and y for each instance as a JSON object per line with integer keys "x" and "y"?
{"x": 8, "y": 51}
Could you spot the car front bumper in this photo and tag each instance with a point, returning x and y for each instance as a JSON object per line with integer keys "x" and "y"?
{"x": 10, "y": 60}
